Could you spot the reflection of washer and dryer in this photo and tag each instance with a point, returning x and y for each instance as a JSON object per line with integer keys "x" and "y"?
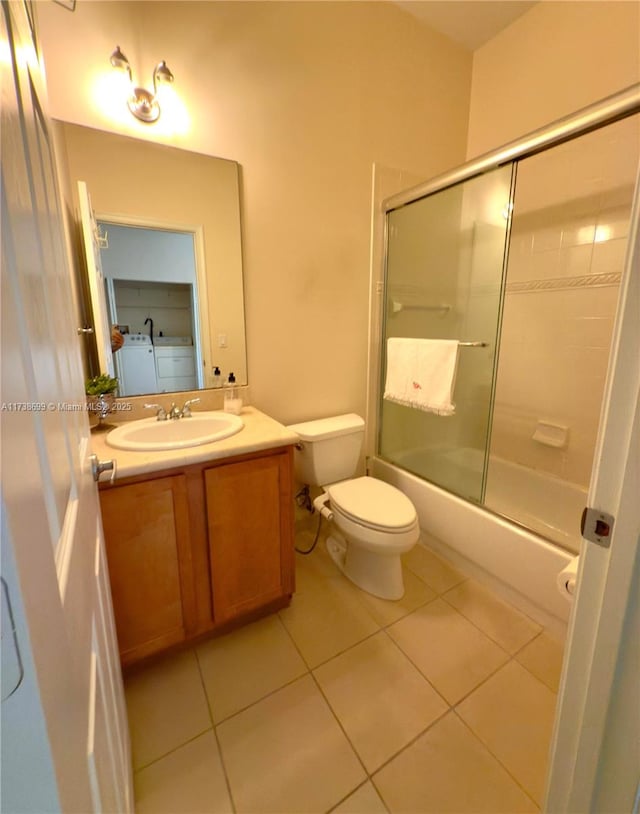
{"x": 175, "y": 363}
{"x": 164, "y": 366}
{"x": 136, "y": 366}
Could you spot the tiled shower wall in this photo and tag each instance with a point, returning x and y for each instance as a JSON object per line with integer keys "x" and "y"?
{"x": 567, "y": 250}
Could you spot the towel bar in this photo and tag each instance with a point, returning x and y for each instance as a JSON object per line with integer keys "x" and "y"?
{"x": 473, "y": 344}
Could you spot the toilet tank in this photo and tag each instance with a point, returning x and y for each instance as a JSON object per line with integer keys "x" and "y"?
{"x": 330, "y": 449}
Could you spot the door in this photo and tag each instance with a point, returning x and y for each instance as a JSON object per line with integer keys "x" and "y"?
{"x": 90, "y": 240}
{"x": 444, "y": 279}
{"x": 595, "y": 751}
{"x": 64, "y": 736}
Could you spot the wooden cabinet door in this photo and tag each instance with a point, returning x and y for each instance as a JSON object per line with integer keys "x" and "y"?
{"x": 250, "y": 533}
{"x": 146, "y": 529}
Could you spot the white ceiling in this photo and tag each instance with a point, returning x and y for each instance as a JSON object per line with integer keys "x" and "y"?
{"x": 469, "y": 22}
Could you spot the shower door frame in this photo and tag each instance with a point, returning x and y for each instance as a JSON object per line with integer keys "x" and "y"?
{"x": 613, "y": 108}
{"x": 594, "y": 671}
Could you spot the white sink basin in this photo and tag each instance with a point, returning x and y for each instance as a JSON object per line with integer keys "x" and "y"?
{"x": 149, "y": 434}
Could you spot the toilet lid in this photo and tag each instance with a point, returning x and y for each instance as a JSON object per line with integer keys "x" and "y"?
{"x": 373, "y": 503}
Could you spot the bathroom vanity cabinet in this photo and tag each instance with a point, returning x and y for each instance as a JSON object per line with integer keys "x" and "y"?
{"x": 198, "y": 549}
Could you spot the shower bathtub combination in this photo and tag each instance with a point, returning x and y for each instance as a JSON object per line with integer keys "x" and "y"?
{"x": 518, "y": 256}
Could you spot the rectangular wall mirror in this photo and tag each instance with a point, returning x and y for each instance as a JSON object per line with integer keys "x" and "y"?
{"x": 166, "y": 235}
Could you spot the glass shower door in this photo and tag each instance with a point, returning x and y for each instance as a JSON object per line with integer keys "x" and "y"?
{"x": 568, "y": 242}
{"x": 445, "y": 262}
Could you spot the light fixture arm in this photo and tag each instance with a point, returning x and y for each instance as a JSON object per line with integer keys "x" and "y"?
{"x": 161, "y": 75}
{"x": 119, "y": 61}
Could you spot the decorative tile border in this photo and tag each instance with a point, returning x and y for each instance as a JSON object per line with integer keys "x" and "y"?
{"x": 558, "y": 283}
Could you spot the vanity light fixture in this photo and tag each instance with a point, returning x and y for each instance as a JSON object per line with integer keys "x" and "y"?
{"x": 142, "y": 103}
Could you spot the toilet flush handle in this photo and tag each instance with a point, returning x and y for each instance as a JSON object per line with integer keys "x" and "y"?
{"x": 320, "y": 505}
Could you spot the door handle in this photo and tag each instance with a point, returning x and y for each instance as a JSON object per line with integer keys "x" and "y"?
{"x": 98, "y": 467}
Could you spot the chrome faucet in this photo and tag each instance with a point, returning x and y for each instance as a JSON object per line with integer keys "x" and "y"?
{"x": 174, "y": 411}
{"x": 161, "y": 415}
{"x": 186, "y": 409}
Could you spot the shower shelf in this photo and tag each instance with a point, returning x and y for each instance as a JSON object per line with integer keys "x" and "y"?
{"x": 397, "y": 306}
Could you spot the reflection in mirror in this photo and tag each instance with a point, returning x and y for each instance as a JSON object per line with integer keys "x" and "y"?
{"x": 154, "y": 298}
{"x": 174, "y": 257}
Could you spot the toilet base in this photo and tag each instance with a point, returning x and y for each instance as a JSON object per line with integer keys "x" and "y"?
{"x": 377, "y": 574}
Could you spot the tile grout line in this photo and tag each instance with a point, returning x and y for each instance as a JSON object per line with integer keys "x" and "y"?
{"x": 453, "y": 707}
{"x": 410, "y": 743}
{"x": 215, "y": 734}
{"x": 382, "y": 629}
{"x": 512, "y": 655}
{"x": 495, "y": 757}
{"x": 326, "y": 700}
{"x": 415, "y": 666}
{"x": 471, "y": 691}
{"x": 342, "y": 729}
{"x": 362, "y": 785}
{"x": 449, "y": 706}
{"x": 260, "y": 699}
{"x": 171, "y": 751}
{"x": 488, "y": 635}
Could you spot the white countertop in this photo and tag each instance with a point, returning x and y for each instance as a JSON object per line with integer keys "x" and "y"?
{"x": 259, "y": 432}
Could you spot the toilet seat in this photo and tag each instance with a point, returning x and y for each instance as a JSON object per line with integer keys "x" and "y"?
{"x": 374, "y": 504}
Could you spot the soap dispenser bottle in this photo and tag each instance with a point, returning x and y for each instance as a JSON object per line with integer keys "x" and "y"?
{"x": 232, "y": 399}
{"x": 217, "y": 378}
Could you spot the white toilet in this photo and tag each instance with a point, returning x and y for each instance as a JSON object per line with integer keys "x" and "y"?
{"x": 373, "y": 522}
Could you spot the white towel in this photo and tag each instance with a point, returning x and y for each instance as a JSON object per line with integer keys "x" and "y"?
{"x": 421, "y": 373}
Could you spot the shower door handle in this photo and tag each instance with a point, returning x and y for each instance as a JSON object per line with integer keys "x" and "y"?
{"x": 596, "y": 526}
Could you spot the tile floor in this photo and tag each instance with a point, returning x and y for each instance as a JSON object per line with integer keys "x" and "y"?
{"x": 441, "y": 702}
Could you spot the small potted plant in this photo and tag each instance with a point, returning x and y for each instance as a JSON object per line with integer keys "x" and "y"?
{"x": 101, "y": 394}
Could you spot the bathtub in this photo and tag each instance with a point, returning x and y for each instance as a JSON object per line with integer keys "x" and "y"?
{"x": 543, "y": 503}
{"x": 519, "y": 562}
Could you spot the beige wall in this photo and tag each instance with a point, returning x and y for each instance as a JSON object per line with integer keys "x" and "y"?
{"x": 306, "y": 96}
{"x": 555, "y": 59}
